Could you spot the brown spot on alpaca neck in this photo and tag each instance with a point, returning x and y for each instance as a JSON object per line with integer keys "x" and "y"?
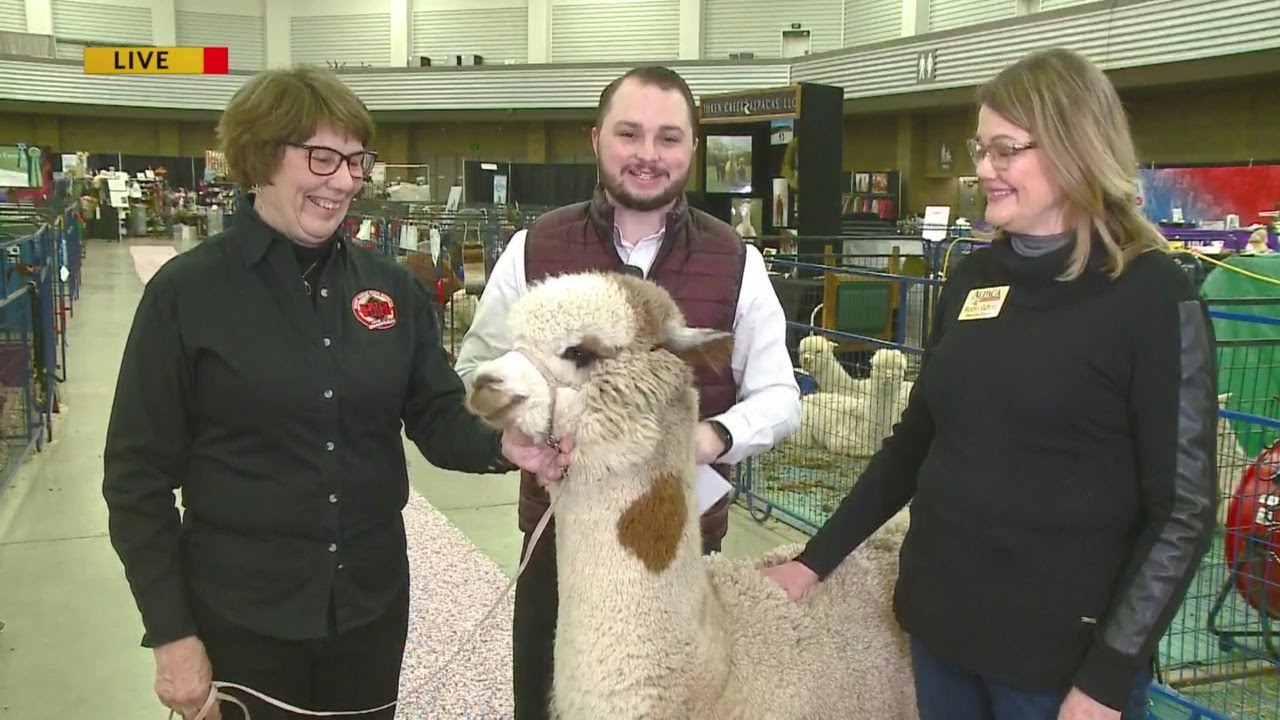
{"x": 652, "y": 526}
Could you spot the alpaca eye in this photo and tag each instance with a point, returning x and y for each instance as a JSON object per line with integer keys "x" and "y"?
{"x": 578, "y": 355}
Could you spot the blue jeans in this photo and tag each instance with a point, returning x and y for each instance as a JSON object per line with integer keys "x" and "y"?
{"x": 947, "y": 692}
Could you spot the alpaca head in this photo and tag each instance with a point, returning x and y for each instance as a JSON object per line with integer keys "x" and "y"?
{"x": 606, "y": 354}
{"x": 814, "y": 349}
{"x": 814, "y": 345}
{"x": 889, "y": 364}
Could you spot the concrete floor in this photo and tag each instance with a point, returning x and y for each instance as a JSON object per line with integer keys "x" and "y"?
{"x": 70, "y": 645}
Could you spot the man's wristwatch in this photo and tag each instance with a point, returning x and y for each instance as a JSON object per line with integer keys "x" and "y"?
{"x": 723, "y": 433}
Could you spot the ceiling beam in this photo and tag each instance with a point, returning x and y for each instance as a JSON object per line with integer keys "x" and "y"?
{"x": 1246, "y": 67}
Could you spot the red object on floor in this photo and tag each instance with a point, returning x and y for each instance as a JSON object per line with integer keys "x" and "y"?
{"x": 1253, "y": 532}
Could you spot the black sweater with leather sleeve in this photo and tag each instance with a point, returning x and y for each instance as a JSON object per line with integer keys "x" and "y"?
{"x": 1059, "y": 461}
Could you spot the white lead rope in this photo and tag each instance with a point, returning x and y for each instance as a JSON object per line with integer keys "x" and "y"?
{"x": 215, "y": 691}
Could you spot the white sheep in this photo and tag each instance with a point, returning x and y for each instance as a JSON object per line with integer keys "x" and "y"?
{"x": 648, "y": 627}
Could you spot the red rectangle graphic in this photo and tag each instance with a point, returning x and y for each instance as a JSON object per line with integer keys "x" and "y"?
{"x": 215, "y": 61}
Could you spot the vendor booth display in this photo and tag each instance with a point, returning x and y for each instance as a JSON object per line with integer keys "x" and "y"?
{"x": 770, "y": 164}
{"x": 545, "y": 184}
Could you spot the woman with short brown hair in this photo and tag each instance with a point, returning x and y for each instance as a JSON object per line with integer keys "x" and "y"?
{"x": 269, "y": 374}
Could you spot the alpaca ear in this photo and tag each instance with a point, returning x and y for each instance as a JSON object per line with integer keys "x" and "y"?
{"x": 699, "y": 346}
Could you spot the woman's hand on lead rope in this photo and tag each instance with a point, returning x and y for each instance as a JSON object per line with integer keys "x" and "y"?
{"x": 548, "y": 462}
{"x": 184, "y": 677}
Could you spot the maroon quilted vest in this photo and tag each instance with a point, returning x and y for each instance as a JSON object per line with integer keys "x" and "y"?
{"x": 699, "y": 264}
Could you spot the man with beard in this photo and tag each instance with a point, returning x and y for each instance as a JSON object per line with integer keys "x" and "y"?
{"x": 639, "y": 222}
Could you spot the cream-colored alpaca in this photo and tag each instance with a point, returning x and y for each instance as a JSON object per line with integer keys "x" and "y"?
{"x": 648, "y": 627}
{"x": 818, "y": 358}
{"x": 857, "y": 424}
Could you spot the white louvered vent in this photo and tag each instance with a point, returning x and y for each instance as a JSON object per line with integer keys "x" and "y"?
{"x": 755, "y": 26}
{"x": 1120, "y": 36}
{"x": 494, "y": 33}
{"x": 69, "y": 50}
{"x": 501, "y": 88}
{"x": 1059, "y": 4}
{"x": 99, "y": 23}
{"x": 349, "y": 40}
{"x": 244, "y": 36}
{"x": 869, "y": 21}
{"x": 1125, "y": 35}
{"x": 948, "y": 14}
{"x": 13, "y": 15}
{"x": 640, "y": 30}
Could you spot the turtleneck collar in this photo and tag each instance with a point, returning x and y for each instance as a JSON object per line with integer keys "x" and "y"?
{"x": 1036, "y": 278}
{"x": 1037, "y": 245}
{"x": 1035, "y": 268}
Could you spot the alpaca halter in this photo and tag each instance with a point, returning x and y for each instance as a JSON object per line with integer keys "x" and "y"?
{"x": 216, "y": 687}
{"x": 552, "y": 385}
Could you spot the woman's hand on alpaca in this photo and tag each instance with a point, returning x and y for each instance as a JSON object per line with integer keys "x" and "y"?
{"x": 793, "y": 577}
{"x": 548, "y": 462}
{"x": 1079, "y": 706}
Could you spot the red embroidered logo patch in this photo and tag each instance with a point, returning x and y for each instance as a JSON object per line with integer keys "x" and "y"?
{"x": 374, "y": 309}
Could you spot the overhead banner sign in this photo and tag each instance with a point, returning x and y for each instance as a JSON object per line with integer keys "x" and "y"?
{"x": 769, "y": 104}
{"x": 1210, "y": 193}
{"x": 155, "y": 61}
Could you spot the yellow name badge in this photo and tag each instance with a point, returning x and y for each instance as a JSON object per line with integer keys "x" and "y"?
{"x": 984, "y": 303}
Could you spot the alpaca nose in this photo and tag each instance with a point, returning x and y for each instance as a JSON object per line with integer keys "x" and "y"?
{"x": 491, "y": 398}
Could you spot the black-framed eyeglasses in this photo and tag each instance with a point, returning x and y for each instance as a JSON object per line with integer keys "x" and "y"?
{"x": 325, "y": 161}
{"x": 1001, "y": 153}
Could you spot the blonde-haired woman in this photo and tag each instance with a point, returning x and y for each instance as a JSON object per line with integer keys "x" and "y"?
{"x": 269, "y": 373}
{"x": 1058, "y": 447}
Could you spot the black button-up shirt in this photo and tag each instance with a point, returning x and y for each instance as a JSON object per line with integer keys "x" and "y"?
{"x": 279, "y": 416}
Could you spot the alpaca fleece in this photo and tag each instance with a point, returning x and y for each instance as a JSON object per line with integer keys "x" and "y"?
{"x": 648, "y": 627}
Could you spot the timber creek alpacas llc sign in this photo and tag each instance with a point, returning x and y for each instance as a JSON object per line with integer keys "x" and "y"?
{"x": 782, "y": 102}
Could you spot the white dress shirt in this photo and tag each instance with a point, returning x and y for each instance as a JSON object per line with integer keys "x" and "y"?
{"x": 768, "y": 407}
